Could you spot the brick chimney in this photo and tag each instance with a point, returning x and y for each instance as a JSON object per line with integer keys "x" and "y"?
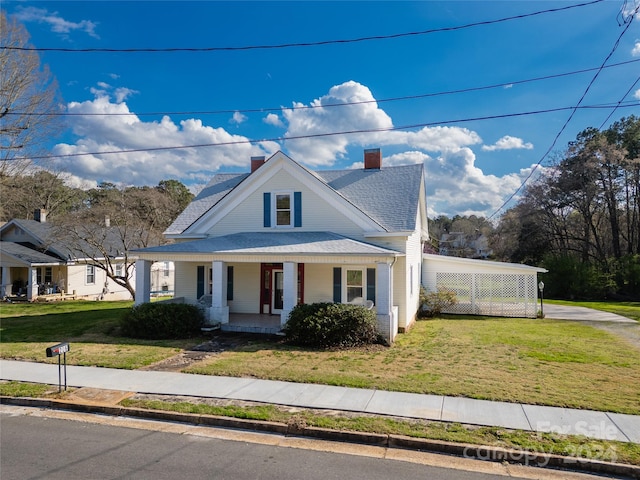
{"x": 40, "y": 215}
{"x": 256, "y": 163}
{"x": 372, "y": 159}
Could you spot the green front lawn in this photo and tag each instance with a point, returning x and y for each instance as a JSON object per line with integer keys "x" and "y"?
{"x": 547, "y": 362}
{"x": 91, "y": 328}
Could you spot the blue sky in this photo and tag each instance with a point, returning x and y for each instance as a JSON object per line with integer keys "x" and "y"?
{"x": 473, "y": 163}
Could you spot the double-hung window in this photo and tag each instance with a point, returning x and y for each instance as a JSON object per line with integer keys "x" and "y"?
{"x": 354, "y": 285}
{"x": 282, "y": 209}
{"x": 91, "y": 275}
{"x": 283, "y": 204}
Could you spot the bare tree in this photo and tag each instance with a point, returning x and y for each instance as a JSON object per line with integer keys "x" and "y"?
{"x": 119, "y": 221}
{"x": 29, "y": 98}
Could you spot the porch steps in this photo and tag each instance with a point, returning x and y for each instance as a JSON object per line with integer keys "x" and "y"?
{"x": 250, "y": 329}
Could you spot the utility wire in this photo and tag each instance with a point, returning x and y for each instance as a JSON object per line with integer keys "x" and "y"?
{"x": 571, "y": 115}
{"x": 328, "y": 134}
{"x": 619, "y": 103}
{"x": 305, "y": 44}
{"x": 344, "y": 104}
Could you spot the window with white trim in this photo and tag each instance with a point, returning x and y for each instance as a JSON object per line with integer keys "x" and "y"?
{"x": 119, "y": 270}
{"x": 90, "y": 278}
{"x": 354, "y": 285}
{"x": 283, "y": 209}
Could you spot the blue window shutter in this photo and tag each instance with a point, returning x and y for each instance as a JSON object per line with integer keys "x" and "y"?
{"x": 297, "y": 205}
{"x": 229, "y": 283}
{"x": 267, "y": 209}
{"x": 337, "y": 285}
{"x": 200, "y": 282}
{"x": 371, "y": 284}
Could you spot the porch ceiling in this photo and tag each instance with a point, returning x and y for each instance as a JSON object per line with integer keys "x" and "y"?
{"x": 272, "y": 243}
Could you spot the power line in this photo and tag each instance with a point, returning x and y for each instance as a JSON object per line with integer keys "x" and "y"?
{"x": 619, "y": 103}
{"x": 330, "y": 134}
{"x": 328, "y": 105}
{"x": 305, "y": 44}
{"x": 573, "y": 111}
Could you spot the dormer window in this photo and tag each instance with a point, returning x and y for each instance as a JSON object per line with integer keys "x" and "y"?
{"x": 282, "y": 209}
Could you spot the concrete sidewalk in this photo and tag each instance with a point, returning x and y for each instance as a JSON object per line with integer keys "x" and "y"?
{"x": 601, "y": 425}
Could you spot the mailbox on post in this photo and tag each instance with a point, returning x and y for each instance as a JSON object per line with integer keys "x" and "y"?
{"x": 56, "y": 351}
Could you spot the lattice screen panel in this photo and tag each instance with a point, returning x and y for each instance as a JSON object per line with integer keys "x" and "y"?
{"x": 495, "y": 294}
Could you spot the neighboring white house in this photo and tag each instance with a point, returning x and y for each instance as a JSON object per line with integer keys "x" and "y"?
{"x": 459, "y": 244}
{"x": 253, "y": 245}
{"x": 35, "y": 263}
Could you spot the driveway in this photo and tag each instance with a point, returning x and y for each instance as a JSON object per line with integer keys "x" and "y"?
{"x": 618, "y": 325}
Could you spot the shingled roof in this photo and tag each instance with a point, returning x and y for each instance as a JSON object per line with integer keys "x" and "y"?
{"x": 390, "y": 195}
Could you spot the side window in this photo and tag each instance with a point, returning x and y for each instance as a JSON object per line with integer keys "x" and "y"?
{"x": 91, "y": 275}
{"x": 119, "y": 270}
{"x": 354, "y": 286}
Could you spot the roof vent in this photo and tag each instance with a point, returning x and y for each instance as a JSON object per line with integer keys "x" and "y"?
{"x": 372, "y": 159}
{"x": 256, "y": 163}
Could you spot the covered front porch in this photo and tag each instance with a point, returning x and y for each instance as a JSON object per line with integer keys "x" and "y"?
{"x": 251, "y": 282}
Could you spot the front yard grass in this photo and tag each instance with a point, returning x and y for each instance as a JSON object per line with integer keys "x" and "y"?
{"x": 547, "y": 362}
{"x": 91, "y": 328}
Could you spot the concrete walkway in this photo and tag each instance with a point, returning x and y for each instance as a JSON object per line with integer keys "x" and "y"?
{"x": 601, "y": 425}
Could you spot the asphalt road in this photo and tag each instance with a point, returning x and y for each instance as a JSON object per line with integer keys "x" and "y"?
{"x": 41, "y": 446}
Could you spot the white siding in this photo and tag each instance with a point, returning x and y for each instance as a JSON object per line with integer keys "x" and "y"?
{"x": 186, "y": 276}
{"x": 246, "y": 288}
{"x": 317, "y": 214}
{"x": 76, "y": 283}
{"x": 318, "y": 283}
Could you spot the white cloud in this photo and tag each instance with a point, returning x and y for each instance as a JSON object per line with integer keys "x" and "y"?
{"x": 636, "y": 50}
{"x": 145, "y": 166}
{"x": 122, "y": 93}
{"x": 636, "y": 95}
{"x": 238, "y": 118}
{"x": 273, "y": 119}
{"x": 455, "y": 184}
{"x": 304, "y": 123}
{"x": 508, "y": 143}
{"x": 55, "y": 21}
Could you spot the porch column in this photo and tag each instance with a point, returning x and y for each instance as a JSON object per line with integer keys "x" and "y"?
{"x": 32, "y": 285}
{"x": 290, "y": 294}
{"x": 387, "y": 324}
{"x": 219, "y": 306}
{"x": 5, "y": 288}
{"x": 143, "y": 282}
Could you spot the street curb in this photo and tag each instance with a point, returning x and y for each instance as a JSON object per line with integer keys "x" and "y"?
{"x": 487, "y": 453}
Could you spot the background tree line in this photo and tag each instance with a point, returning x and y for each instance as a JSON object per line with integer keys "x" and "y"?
{"x": 581, "y": 219}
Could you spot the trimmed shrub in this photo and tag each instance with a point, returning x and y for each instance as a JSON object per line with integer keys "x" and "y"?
{"x": 162, "y": 321}
{"x": 331, "y": 325}
{"x": 433, "y": 303}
